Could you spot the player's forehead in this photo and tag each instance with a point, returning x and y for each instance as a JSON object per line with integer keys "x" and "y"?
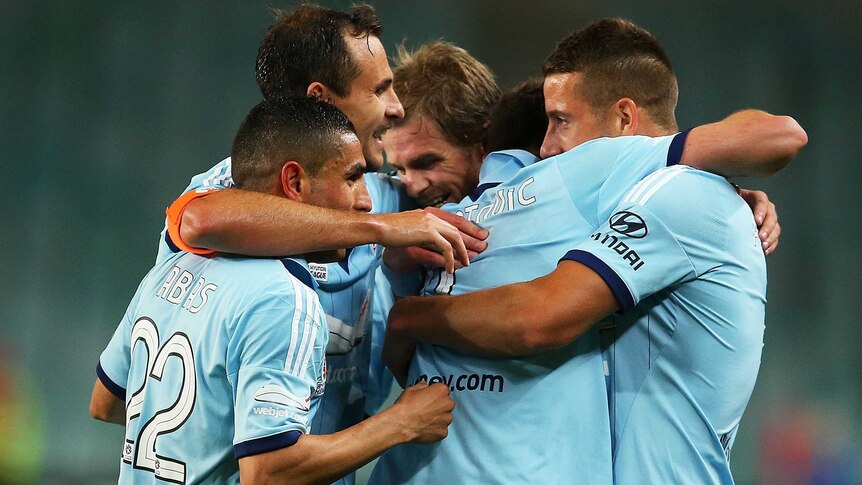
{"x": 562, "y": 91}
{"x": 370, "y": 57}
{"x": 415, "y": 139}
{"x": 349, "y": 157}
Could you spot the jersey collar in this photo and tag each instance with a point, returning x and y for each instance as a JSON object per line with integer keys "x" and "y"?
{"x": 299, "y": 269}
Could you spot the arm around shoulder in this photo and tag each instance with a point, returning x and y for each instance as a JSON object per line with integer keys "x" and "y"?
{"x": 513, "y": 320}
{"x": 749, "y": 143}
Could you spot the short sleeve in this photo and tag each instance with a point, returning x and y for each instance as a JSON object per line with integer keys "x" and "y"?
{"x": 115, "y": 361}
{"x": 664, "y": 232}
{"x": 276, "y": 368}
{"x": 218, "y": 177}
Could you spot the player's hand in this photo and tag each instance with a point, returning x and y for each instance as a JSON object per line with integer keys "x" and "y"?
{"x": 472, "y": 235}
{"x": 765, "y": 216}
{"x": 425, "y": 411}
{"x": 436, "y": 241}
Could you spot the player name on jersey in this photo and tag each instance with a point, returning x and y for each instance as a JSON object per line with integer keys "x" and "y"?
{"x": 176, "y": 290}
{"x": 504, "y": 200}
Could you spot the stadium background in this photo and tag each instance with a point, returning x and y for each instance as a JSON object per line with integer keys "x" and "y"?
{"x": 107, "y": 109}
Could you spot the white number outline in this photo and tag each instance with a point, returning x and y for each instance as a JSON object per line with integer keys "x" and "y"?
{"x": 444, "y": 281}
{"x": 167, "y": 420}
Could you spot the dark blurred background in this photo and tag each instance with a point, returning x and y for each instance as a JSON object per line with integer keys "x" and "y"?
{"x": 108, "y": 108}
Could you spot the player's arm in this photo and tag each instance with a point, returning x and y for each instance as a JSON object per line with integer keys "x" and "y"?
{"x": 421, "y": 415}
{"x": 105, "y": 406}
{"x": 590, "y": 282}
{"x": 237, "y": 221}
{"x": 513, "y": 320}
{"x": 749, "y": 143}
{"x": 108, "y": 400}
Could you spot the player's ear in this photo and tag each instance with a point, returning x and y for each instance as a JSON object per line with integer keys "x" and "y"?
{"x": 293, "y": 181}
{"x": 319, "y": 91}
{"x": 625, "y": 114}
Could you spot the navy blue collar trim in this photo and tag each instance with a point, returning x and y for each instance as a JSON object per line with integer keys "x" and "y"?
{"x": 300, "y": 272}
{"x": 481, "y": 189}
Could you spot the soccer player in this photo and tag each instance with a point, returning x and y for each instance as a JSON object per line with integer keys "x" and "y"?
{"x": 437, "y": 147}
{"x": 683, "y": 242}
{"x": 450, "y": 104}
{"x": 336, "y": 57}
{"x": 217, "y": 367}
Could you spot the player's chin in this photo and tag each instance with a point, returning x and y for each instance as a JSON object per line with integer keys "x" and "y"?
{"x": 373, "y": 152}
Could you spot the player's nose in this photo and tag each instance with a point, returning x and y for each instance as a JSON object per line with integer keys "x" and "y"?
{"x": 550, "y": 145}
{"x": 549, "y": 149}
{"x": 414, "y": 182}
{"x": 362, "y": 200}
{"x": 394, "y": 108}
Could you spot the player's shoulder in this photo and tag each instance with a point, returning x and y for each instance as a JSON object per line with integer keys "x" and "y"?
{"x": 617, "y": 143}
{"x": 219, "y": 176}
{"x": 682, "y": 186}
{"x": 501, "y": 165}
{"x": 253, "y": 278}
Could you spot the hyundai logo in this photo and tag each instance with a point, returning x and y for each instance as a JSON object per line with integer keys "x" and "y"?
{"x": 628, "y": 223}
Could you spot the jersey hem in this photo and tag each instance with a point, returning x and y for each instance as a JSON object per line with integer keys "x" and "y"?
{"x": 265, "y": 444}
{"x": 614, "y": 282}
{"x": 674, "y": 152}
{"x": 115, "y": 389}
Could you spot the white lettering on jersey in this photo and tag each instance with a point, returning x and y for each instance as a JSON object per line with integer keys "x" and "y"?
{"x": 504, "y": 200}
{"x": 176, "y": 290}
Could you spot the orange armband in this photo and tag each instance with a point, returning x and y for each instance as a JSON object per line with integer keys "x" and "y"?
{"x": 174, "y": 214}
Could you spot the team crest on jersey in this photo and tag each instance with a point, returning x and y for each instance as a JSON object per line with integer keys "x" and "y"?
{"x": 318, "y": 271}
{"x": 321, "y": 382}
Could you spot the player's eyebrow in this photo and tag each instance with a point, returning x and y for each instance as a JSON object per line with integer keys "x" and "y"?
{"x": 355, "y": 170}
{"x": 555, "y": 113}
{"x": 383, "y": 85}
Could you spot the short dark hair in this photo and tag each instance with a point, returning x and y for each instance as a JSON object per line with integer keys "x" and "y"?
{"x": 444, "y": 83}
{"x": 307, "y": 45}
{"x": 277, "y": 130}
{"x": 518, "y": 119}
{"x": 619, "y": 59}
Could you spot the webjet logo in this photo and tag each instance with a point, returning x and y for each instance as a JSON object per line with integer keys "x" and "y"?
{"x": 276, "y": 394}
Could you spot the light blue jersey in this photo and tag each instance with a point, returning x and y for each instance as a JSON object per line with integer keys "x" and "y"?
{"x": 202, "y": 376}
{"x": 345, "y": 289}
{"x": 541, "y": 419}
{"x": 682, "y": 256}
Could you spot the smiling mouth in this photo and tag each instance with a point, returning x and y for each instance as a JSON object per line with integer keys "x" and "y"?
{"x": 378, "y": 133}
{"x": 437, "y": 201}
